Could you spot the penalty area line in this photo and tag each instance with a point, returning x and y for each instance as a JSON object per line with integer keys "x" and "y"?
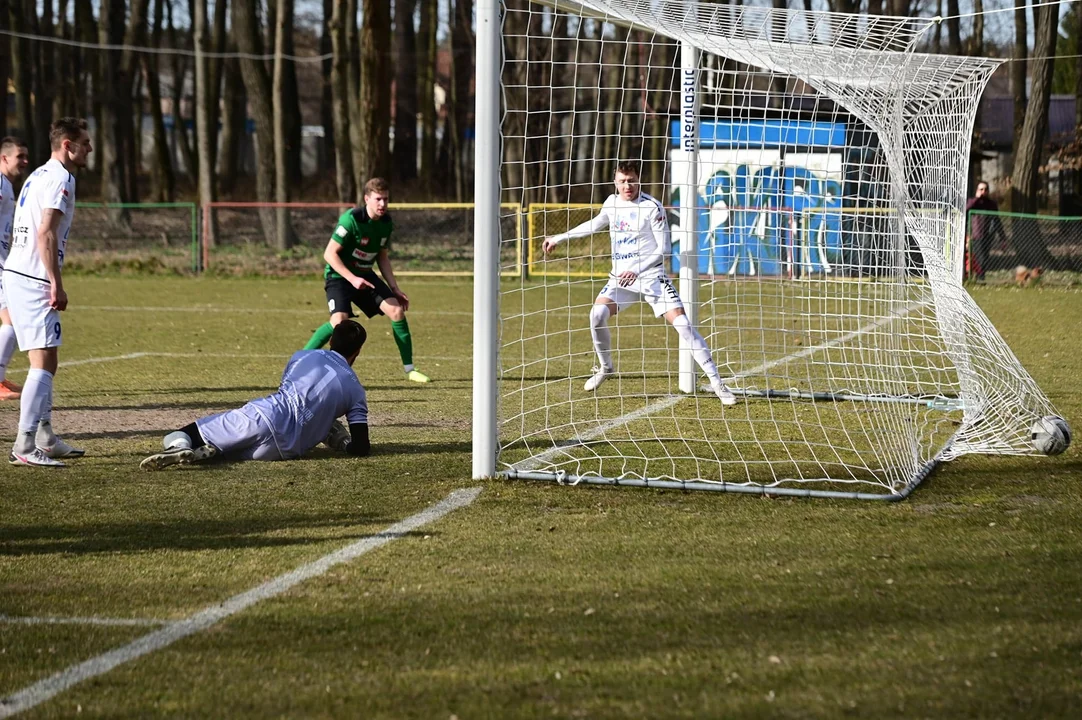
{"x": 536, "y": 461}
{"x": 33, "y": 695}
{"x": 51, "y": 620}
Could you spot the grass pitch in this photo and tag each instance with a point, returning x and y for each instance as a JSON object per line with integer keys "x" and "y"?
{"x": 535, "y": 601}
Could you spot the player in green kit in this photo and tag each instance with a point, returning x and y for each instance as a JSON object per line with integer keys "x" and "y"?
{"x": 362, "y": 239}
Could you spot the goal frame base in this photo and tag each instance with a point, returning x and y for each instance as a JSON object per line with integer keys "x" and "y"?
{"x": 562, "y": 478}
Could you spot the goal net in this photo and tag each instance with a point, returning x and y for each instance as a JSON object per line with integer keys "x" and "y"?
{"x": 811, "y": 167}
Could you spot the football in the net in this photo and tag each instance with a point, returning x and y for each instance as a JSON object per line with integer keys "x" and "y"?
{"x": 1050, "y": 435}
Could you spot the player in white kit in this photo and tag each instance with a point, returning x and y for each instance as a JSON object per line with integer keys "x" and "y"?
{"x": 13, "y": 161}
{"x": 317, "y": 387}
{"x": 640, "y": 241}
{"x": 35, "y": 288}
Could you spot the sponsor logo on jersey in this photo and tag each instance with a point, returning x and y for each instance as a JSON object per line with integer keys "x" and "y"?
{"x": 624, "y": 256}
{"x": 362, "y": 255}
{"x": 622, "y": 225}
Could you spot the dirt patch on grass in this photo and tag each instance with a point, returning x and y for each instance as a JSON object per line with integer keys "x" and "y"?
{"x": 117, "y": 422}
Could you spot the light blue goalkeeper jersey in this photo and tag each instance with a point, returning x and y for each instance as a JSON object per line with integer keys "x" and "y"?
{"x": 317, "y": 387}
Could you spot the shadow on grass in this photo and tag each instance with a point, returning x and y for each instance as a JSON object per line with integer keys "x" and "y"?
{"x": 182, "y": 534}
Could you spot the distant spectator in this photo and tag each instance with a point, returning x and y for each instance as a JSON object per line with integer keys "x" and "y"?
{"x": 983, "y": 230}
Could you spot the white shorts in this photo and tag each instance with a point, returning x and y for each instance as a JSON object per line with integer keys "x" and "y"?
{"x": 36, "y": 322}
{"x": 657, "y": 291}
{"x": 240, "y": 434}
{"x": 3, "y": 297}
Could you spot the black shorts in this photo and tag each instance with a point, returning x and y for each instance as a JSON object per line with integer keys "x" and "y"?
{"x": 342, "y": 296}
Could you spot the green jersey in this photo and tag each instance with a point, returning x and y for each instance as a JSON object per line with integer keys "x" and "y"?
{"x": 361, "y": 238}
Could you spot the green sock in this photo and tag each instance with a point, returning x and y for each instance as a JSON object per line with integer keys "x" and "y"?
{"x": 320, "y": 337}
{"x": 401, "y": 330}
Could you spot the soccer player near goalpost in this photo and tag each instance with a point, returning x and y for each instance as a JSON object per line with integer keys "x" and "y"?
{"x": 13, "y": 161}
{"x": 362, "y": 238}
{"x": 640, "y": 241}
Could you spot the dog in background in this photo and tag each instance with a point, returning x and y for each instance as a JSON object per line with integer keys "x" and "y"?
{"x": 1024, "y": 276}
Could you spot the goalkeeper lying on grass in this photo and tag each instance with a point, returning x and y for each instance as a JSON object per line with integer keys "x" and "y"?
{"x": 317, "y": 387}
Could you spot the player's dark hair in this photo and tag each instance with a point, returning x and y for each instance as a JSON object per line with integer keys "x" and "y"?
{"x": 66, "y": 128}
{"x": 9, "y": 142}
{"x": 347, "y": 338}
{"x": 377, "y": 185}
{"x": 627, "y": 167}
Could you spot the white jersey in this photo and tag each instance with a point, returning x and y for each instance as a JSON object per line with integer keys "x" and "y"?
{"x": 7, "y": 217}
{"x": 50, "y": 186}
{"x": 317, "y": 387}
{"x": 638, "y": 230}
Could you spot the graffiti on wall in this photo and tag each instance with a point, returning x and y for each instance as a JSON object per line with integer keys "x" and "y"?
{"x": 762, "y": 212}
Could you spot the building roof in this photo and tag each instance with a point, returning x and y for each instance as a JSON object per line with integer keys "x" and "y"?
{"x": 995, "y": 120}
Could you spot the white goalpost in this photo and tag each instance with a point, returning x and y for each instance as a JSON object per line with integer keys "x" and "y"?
{"x": 812, "y": 169}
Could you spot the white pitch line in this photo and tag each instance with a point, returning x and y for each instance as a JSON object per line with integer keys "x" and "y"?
{"x": 242, "y": 356}
{"x": 536, "y": 461}
{"x": 41, "y": 691}
{"x": 218, "y": 309}
{"x": 48, "y": 620}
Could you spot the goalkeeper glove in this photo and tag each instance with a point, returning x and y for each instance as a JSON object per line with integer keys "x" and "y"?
{"x": 338, "y": 438}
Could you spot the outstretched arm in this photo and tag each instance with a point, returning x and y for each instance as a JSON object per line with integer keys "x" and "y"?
{"x": 595, "y": 224}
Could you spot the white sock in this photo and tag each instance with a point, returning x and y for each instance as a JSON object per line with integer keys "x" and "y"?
{"x": 7, "y": 349}
{"x": 699, "y": 350}
{"x": 36, "y": 393}
{"x": 177, "y": 439}
{"x": 408, "y": 368}
{"x": 599, "y": 330}
{"x": 45, "y": 435}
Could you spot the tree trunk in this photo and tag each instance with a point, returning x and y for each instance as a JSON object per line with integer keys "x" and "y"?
{"x": 284, "y": 17}
{"x": 340, "y": 98}
{"x": 234, "y": 125}
{"x": 954, "y": 29}
{"x": 5, "y": 61}
{"x": 256, "y": 82}
{"x": 215, "y": 71}
{"x": 375, "y": 99}
{"x": 404, "y": 158}
{"x": 127, "y": 128}
{"x": 976, "y": 42}
{"x": 110, "y": 29}
{"x": 353, "y": 96}
{"x": 326, "y": 98}
{"x": 1025, "y": 180}
{"x": 938, "y": 43}
{"x": 180, "y": 130}
{"x": 162, "y": 178}
{"x": 514, "y": 102}
{"x": 1018, "y": 68}
{"x": 462, "y": 64}
{"x": 426, "y": 90}
{"x": 44, "y": 62}
{"x": 205, "y": 132}
{"x": 86, "y": 66}
{"x": 22, "y": 73}
{"x": 65, "y": 88}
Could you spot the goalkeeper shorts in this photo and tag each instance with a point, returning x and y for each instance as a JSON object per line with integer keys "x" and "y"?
{"x": 657, "y": 291}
